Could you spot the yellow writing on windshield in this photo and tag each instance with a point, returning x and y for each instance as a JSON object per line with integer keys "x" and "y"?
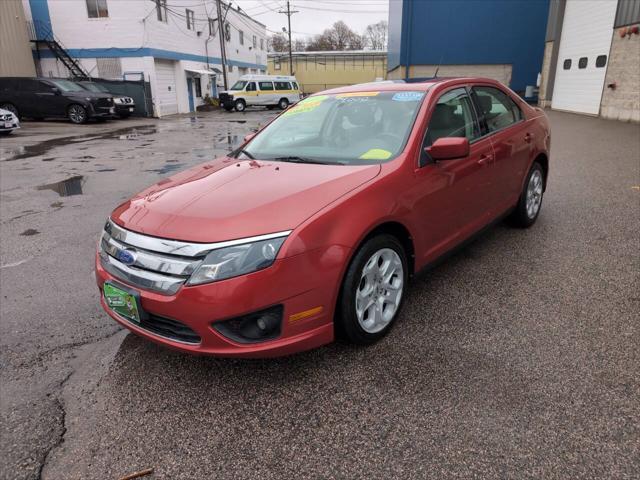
{"x": 357, "y": 94}
{"x": 306, "y": 105}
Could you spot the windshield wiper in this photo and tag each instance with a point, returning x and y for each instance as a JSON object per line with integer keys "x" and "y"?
{"x": 296, "y": 159}
{"x": 245, "y": 153}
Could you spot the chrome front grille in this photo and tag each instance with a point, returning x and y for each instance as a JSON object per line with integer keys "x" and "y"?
{"x": 148, "y": 262}
{"x": 157, "y": 264}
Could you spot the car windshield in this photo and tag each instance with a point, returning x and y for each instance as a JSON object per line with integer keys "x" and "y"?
{"x": 93, "y": 87}
{"x": 67, "y": 85}
{"x": 239, "y": 85}
{"x": 346, "y": 128}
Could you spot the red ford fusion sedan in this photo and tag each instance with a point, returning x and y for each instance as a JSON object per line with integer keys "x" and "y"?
{"x": 314, "y": 226}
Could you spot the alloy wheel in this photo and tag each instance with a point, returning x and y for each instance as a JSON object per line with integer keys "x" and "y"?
{"x": 379, "y": 292}
{"x": 77, "y": 114}
{"x": 534, "y": 194}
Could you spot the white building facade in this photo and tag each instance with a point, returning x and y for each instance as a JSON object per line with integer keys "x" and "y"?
{"x": 175, "y": 44}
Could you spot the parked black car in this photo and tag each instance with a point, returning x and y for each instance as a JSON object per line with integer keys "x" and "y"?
{"x": 52, "y": 97}
{"x": 124, "y": 105}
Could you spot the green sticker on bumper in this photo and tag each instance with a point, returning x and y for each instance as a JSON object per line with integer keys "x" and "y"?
{"x": 121, "y": 302}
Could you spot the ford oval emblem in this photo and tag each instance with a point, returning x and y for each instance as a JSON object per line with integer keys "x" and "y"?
{"x": 126, "y": 256}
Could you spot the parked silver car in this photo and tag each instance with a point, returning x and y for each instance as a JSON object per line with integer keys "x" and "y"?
{"x": 8, "y": 122}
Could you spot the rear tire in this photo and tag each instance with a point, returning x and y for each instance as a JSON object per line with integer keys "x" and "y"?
{"x": 240, "y": 105}
{"x": 530, "y": 202}
{"x": 372, "y": 291}
{"x": 283, "y": 104}
{"x": 77, "y": 114}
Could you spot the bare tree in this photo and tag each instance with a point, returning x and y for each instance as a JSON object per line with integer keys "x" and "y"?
{"x": 278, "y": 43}
{"x": 376, "y": 35}
{"x": 299, "y": 45}
{"x": 338, "y": 37}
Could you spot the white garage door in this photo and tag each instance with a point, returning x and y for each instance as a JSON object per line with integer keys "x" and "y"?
{"x": 166, "y": 81}
{"x": 587, "y": 31}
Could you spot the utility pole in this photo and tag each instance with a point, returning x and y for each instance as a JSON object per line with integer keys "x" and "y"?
{"x": 223, "y": 52}
{"x": 288, "y": 13}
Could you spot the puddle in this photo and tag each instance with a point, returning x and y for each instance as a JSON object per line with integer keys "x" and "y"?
{"x": 29, "y": 232}
{"x": 106, "y": 170}
{"x": 65, "y": 188}
{"x": 42, "y": 148}
{"x": 168, "y": 168}
{"x": 49, "y": 159}
{"x": 237, "y": 121}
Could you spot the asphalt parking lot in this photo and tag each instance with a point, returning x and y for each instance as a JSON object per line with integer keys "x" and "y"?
{"x": 516, "y": 358}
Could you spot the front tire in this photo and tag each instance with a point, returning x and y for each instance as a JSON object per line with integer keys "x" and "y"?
{"x": 372, "y": 292}
{"x": 77, "y": 114}
{"x": 283, "y": 104}
{"x": 240, "y": 106}
{"x": 530, "y": 202}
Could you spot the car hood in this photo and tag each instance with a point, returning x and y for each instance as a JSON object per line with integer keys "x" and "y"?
{"x": 229, "y": 199}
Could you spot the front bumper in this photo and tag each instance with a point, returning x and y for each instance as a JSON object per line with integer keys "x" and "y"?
{"x": 125, "y": 109}
{"x": 300, "y": 283}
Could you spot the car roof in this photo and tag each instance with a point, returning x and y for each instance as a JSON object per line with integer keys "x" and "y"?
{"x": 413, "y": 84}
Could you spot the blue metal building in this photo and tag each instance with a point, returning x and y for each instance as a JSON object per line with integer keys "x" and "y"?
{"x": 502, "y": 39}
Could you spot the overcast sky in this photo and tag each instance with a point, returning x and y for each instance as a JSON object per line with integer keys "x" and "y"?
{"x": 316, "y": 15}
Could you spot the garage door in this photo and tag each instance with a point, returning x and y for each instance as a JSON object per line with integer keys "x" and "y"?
{"x": 166, "y": 81}
{"x": 587, "y": 31}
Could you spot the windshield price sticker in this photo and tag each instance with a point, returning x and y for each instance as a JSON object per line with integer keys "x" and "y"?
{"x": 407, "y": 96}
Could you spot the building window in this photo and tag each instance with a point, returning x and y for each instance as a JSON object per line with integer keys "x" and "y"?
{"x": 601, "y": 61}
{"x": 97, "y": 8}
{"x": 196, "y": 83}
{"x": 255, "y": 42}
{"x": 567, "y": 64}
{"x": 276, "y": 64}
{"x": 262, "y": 44}
{"x": 241, "y": 34}
{"x": 161, "y": 10}
{"x": 190, "y": 19}
{"x": 227, "y": 31}
{"x": 212, "y": 27}
{"x": 109, "y": 67}
{"x": 582, "y": 63}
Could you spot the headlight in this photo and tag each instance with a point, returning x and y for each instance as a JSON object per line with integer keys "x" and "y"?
{"x": 236, "y": 260}
{"x": 117, "y": 100}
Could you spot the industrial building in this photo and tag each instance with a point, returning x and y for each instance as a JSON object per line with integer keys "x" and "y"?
{"x": 317, "y": 71}
{"x": 500, "y": 39}
{"x": 592, "y": 58}
{"x": 580, "y": 56}
{"x": 175, "y": 46}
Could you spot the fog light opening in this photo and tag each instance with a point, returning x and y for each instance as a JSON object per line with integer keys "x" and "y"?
{"x": 252, "y": 328}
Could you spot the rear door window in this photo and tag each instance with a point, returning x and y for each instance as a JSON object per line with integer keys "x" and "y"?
{"x": 295, "y": 86}
{"x": 282, "y": 85}
{"x": 495, "y": 108}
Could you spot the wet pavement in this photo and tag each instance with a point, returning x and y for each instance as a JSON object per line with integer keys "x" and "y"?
{"x": 516, "y": 358}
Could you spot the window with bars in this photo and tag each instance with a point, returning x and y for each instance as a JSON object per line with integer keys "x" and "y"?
{"x": 262, "y": 44}
{"x": 241, "y": 36}
{"x": 191, "y": 24}
{"x": 161, "y": 10}
{"x": 255, "y": 41}
{"x": 212, "y": 27}
{"x": 97, "y": 8}
{"x": 109, "y": 67}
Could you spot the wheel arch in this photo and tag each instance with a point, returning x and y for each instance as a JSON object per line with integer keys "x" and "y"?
{"x": 398, "y": 230}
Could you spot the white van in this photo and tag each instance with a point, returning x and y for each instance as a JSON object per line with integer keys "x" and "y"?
{"x": 266, "y": 90}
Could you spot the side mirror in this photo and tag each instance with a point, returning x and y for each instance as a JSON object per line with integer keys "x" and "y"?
{"x": 448, "y": 148}
{"x": 249, "y": 137}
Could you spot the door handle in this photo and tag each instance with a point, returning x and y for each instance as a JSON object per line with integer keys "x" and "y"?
{"x": 528, "y": 137}
{"x": 485, "y": 158}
